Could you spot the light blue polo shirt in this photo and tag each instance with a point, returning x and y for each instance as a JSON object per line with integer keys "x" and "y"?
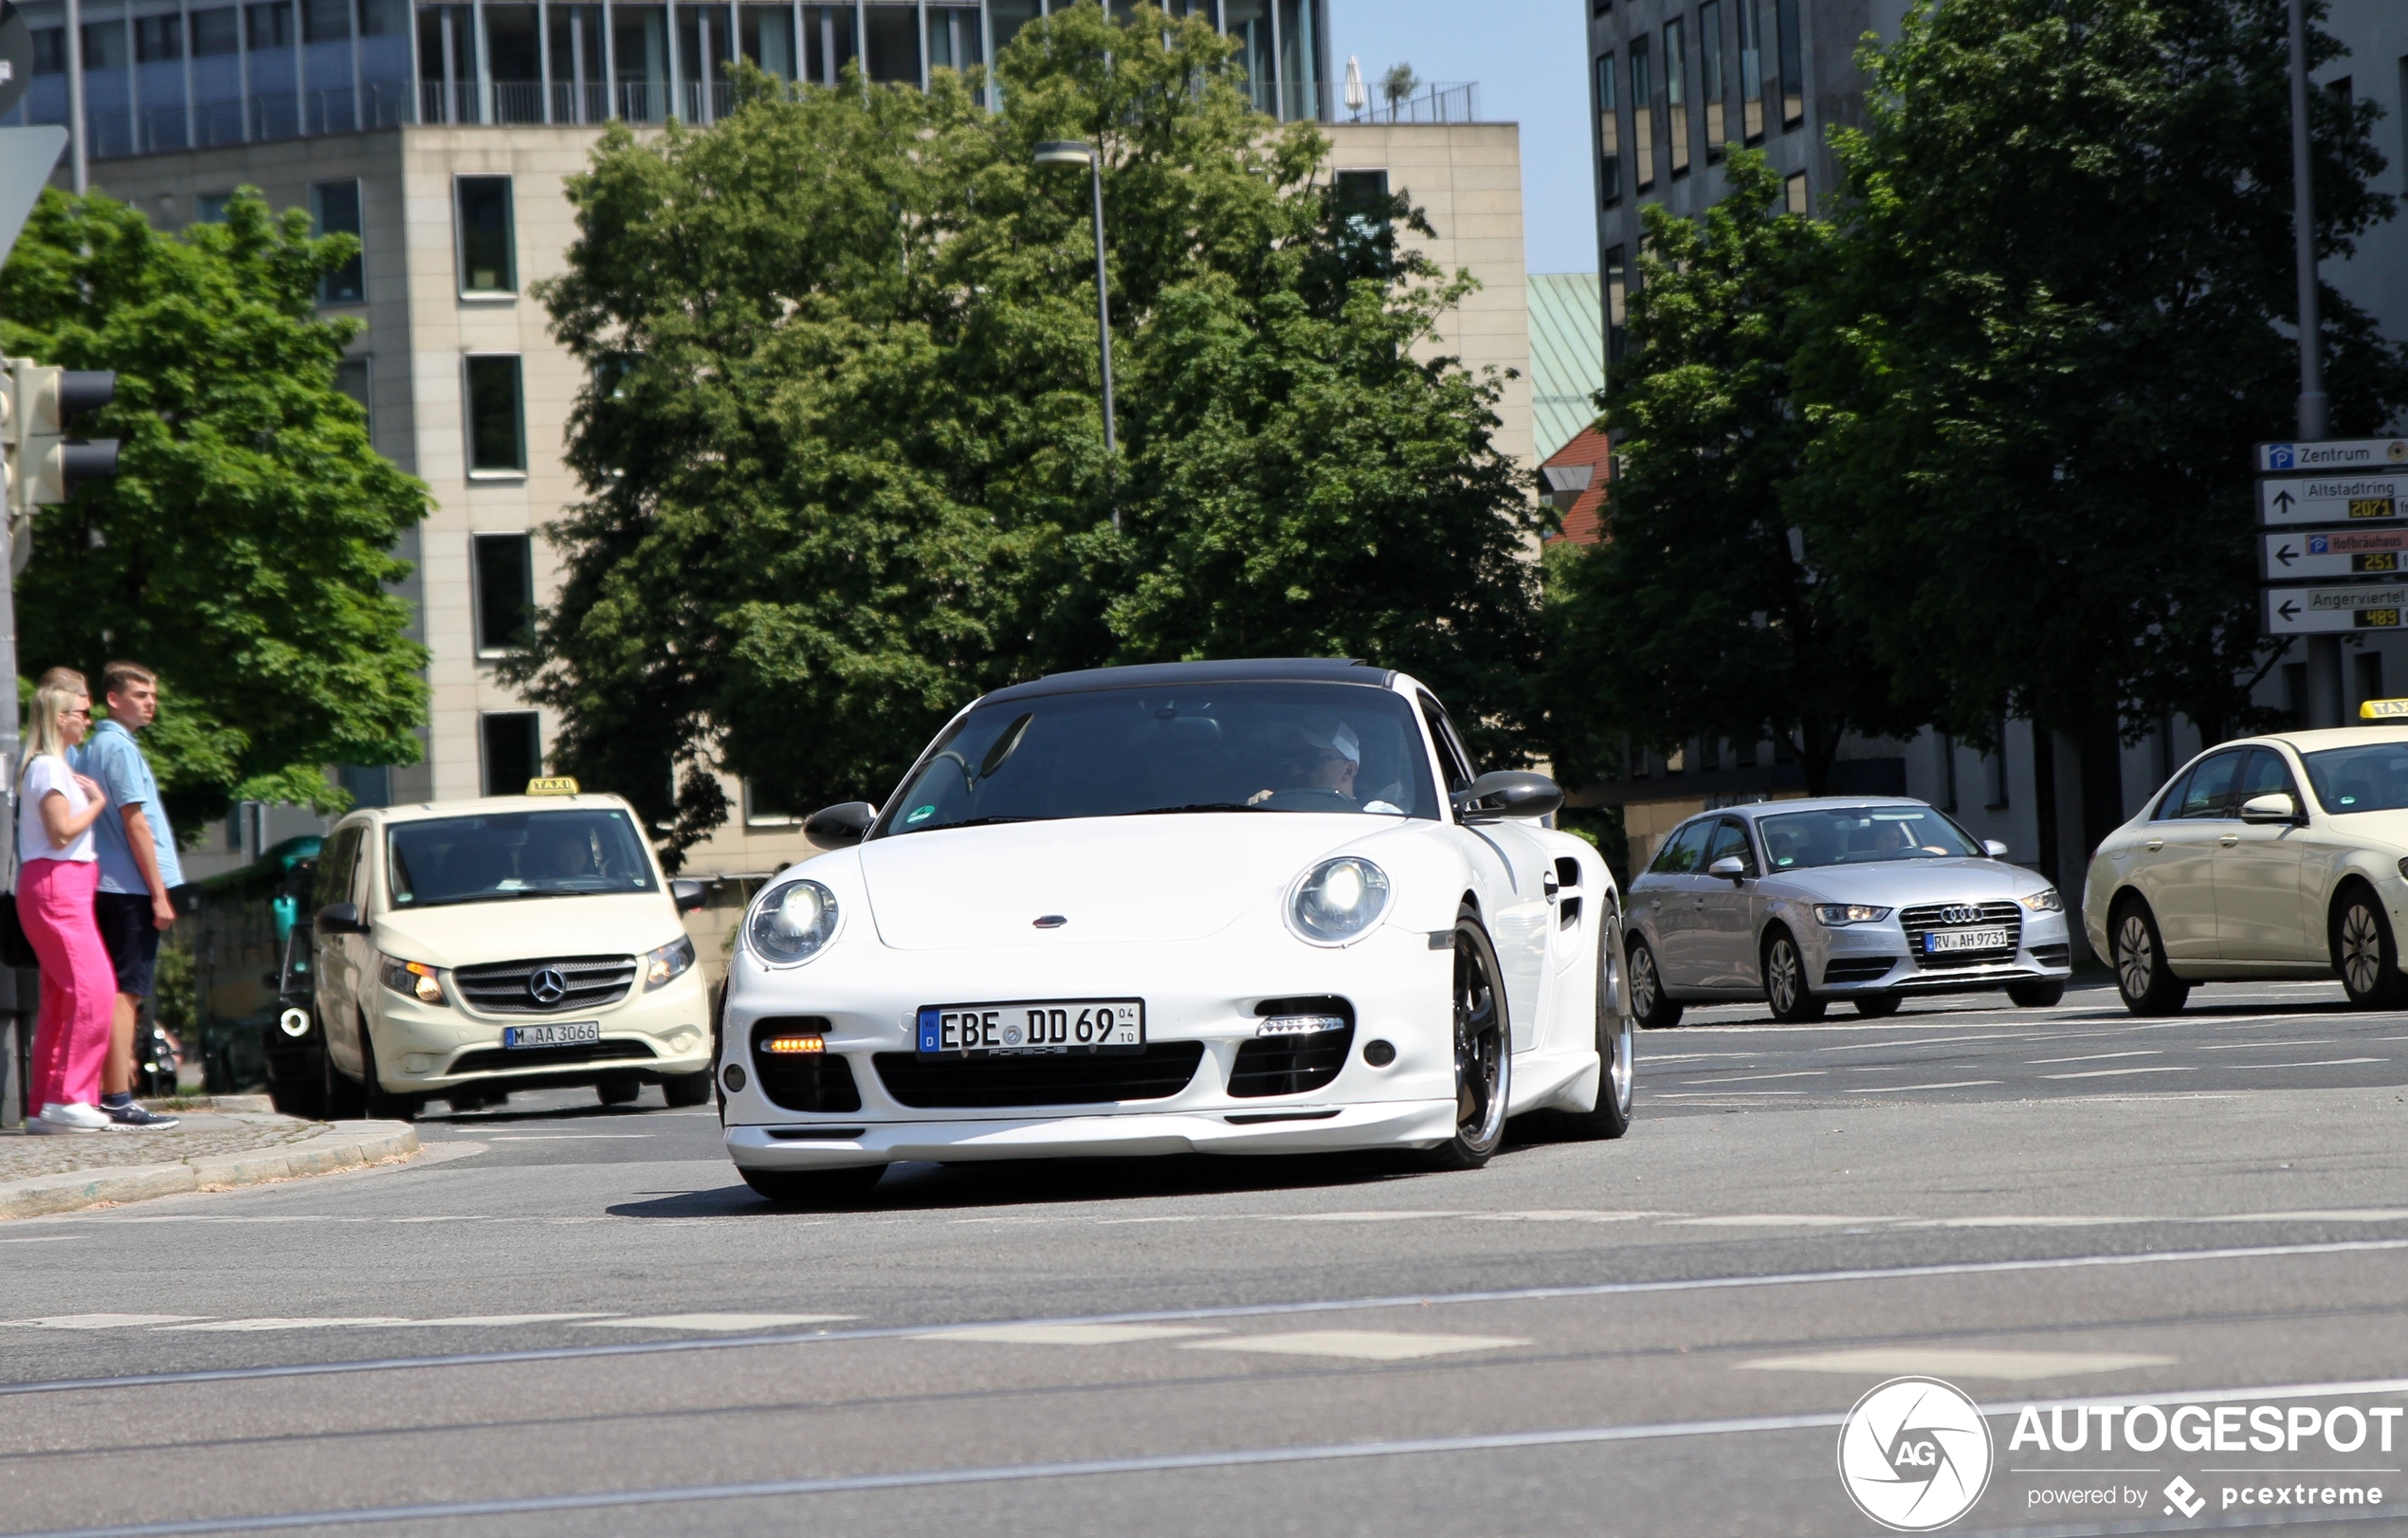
{"x": 111, "y": 757}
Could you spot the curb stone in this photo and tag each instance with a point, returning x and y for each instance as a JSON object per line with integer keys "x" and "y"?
{"x": 223, "y": 1105}
{"x": 346, "y": 1147}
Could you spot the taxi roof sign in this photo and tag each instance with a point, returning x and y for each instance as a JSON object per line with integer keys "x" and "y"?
{"x": 2384, "y": 710}
{"x": 567, "y": 785}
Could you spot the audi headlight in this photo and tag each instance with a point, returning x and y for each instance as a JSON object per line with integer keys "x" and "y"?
{"x": 792, "y": 922}
{"x": 667, "y": 962}
{"x": 2044, "y": 901}
{"x": 414, "y": 979}
{"x": 1338, "y": 901}
{"x": 1840, "y": 915}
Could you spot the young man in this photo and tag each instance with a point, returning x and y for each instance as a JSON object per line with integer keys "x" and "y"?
{"x": 137, "y": 868}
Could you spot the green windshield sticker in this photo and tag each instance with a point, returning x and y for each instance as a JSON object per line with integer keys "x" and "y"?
{"x": 921, "y": 815}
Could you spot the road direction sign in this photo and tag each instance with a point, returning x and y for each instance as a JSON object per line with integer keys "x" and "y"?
{"x": 2331, "y": 499}
{"x": 2329, "y": 553}
{"x": 2314, "y": 611}
{"x": 2332, "y": 454}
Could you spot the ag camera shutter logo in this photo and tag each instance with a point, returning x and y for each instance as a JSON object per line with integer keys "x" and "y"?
{"x": 1915, "y": 1454}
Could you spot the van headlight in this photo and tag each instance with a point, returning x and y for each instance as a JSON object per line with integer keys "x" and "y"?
{"x": 667, "y": 962}
{"x": 791, "y": 922}
{"x": 414, "y": 979}
{"x": 1338, "y": 901}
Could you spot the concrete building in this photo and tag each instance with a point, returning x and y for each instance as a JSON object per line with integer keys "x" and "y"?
{"x": 440, "y": 134}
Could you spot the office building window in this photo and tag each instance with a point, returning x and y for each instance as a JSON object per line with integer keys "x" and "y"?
{"x": 2370, "y": 674}
{"x": 768, "y": 811}
{"x": 1794, "y": 192}
{"x": 270, "y": 25}
{"x": 49, "y": 50}
{"x": 158, "y": 39}
{"x": 1676, "y": 112}
{"x": 1709, "y": 74}
{"x": 1361, "y": 197}
{"x": 513, "y": 744}
{"x": 1750, "y": 16}
{"x": 333, "y": 210}
{"x": 1616, "y": 296}
{"x": 488, "y": 250}
{"x": 1792, "y": 65}
{"x": 1609, "y": 134}
{"x": 210, "y": 207}
{"x": 497, "y": 426}
{"x": 369, "y": 785}
{"x": 214, "y": 33}
{"x": 1642, "y": 113}
{"x": 105, "y": 44}
{"x": 505, "y": 593}
{"x": 352, "y": 378}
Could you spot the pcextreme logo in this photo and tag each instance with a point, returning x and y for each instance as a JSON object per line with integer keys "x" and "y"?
{"x": 1915, "y": 1453}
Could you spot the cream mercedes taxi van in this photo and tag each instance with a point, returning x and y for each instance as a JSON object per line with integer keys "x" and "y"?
{"x": 466, "y": 949}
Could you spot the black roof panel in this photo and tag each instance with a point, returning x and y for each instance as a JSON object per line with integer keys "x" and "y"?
{"x": 1186, "y": 674}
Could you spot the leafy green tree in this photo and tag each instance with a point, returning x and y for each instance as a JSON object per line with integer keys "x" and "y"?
{"x": 242, "y": 551}
{"x": 2056, "y": 323}
{"x": 843, "y": 450}
{"x": 1693, "y": 617}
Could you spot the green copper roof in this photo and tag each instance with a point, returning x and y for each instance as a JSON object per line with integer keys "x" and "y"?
{"x": 1567, "y": 356}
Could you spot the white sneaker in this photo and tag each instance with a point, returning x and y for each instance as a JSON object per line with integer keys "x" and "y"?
{"x": 58, "y": 1118}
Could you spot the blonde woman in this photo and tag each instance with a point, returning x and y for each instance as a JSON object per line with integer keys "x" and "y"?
{"x": 58, "y": 872}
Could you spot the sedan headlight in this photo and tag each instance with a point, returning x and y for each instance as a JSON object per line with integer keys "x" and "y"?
{"x": 1840, "y": 915}
{"x": 415, "y": 979}
{"x": 668, "y": 962}
{"x": 2044, "y": 901}
{"x": 1338, "y": 901}
{"x": 792, "y": 922}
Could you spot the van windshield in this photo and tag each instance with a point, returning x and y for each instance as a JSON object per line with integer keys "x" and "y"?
{"x": 499, "y": 855}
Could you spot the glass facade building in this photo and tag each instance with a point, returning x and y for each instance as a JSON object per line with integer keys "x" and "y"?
{"x": 168, "y": 75}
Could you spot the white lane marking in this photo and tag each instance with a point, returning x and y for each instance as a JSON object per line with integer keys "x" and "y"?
{"x": 2332, "y": 1247}
{"x": 716, "y": 1321}
{"x": 2328, "y": 1062}
{"x": 1712, "y": 1095}
{"x": 249, "y": 1326}
{"x": 467, "y": 1319}
{"x": 1920, "y": 1041}
{"x": 1564, "y": 1215}
{"x": 1751, "y": 1078}
{"x": 560, "y": 1137}
{"x": 2016, "y": 1221}
{"x": 2336, "y": 1215}
{"x": 1363, "y": 1345}
{"x": 1771, "y": 1219}
{"x": 1068, "y": 1335}
{"x": 1904, "y": 1088}
{"x": 42, "y": 1238}
{"x": 2094, "y": 1058}
{"x": 1398, "y": 1216}
{"x": 2116, "y": 1072}
{"x": 103, "y": 1321}
{"x": 2245, "y": 1045}
{"x": 1957, "y": 1361}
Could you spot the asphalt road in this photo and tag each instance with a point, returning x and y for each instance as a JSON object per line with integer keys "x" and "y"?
{"x": 563, "y": 1320}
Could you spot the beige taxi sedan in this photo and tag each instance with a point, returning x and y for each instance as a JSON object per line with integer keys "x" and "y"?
{"x": 2272, "y": 857}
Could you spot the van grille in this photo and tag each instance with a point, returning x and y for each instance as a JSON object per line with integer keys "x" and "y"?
{"x": 590, "y": 981}
{"x": 528, "y": 1059}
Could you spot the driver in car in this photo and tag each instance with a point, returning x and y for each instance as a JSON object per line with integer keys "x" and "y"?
{"x": 568, "y": 856}
{"x": 1321, "y": 755}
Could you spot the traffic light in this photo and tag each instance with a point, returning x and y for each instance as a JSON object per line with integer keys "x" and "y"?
{"x": 37, "y": 406}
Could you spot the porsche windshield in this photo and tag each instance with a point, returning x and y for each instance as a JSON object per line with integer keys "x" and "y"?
{"x": 504, "y": 856}
{"x": 1222, "y": 748}
{"x": 1861, "y": 835}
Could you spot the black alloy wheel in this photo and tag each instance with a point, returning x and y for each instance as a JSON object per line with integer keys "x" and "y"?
{"x": 1654, "y": 1009}
{"x": 1617, "y": 1038}
{"x": 2147, "y": 984}
{"x": 2366, "y": 954}
{"x": 1484, "y": 1053}
{"x": 814, "y": 1189}
{"x": 1785, "y": 990}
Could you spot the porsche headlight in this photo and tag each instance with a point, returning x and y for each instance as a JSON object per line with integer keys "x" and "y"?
{"x": 1840, "y": 915}
{"x": 415, "y": 979}
{"x": 668, "y": 962}
{"x": 2044, "y": 901}
{"x": 1338, "y": 901}
{"x": 792, "y": 922}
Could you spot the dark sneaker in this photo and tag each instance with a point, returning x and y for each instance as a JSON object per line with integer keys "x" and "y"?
{"x": 133, "y": 1118}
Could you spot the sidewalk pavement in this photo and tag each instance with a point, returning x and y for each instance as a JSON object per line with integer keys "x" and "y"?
{"x": 231, "y": 1141}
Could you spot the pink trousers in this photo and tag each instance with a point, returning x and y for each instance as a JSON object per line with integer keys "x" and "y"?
{"x": 78, "y": 985}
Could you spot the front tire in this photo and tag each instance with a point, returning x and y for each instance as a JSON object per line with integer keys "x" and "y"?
{"x": 2036, "y": 994}
{"x": 1484, "y": 1054}
{"x": 1877, "y": 1006}
{"x": 687, "y": 1089}
{"x": 815, "y": 1187}
{"x": 1617, "y": 1036}
{"x": 2367, "y": 955}
{"x": 379, "y": 1102}
{"x": 1785, "y": 990}
{"x": 2149, "y": 985}
{"x": 1652, "y": 1008}
{"x": 337, "y": 1095}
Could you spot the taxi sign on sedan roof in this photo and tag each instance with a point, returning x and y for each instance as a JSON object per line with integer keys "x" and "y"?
{"x": 567, "y": 785}
{"x": 2384, "y": 710}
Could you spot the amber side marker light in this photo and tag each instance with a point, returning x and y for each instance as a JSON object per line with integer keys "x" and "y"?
{"x": 783, "y": 1045}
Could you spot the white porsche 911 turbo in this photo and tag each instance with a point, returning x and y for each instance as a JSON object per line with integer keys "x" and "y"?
{"x": 1225, "y": 906}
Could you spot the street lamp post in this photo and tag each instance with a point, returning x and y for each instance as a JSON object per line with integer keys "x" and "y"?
{"x": 1071, "y": 152}
{"x": 2323, "y": 652}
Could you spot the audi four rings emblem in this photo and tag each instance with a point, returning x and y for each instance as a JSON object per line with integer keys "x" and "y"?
{"x": 547, "y": 986}
{"x": 1961, "y": 913}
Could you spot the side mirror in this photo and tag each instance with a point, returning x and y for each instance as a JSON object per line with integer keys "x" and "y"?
{"x": 1994, "y": 848}
{"x": 339, "y": 919}
{"x": 847, "y": 822}
{"x": 1509, "y": 793}
{"x": 689, "y": 894}
{"x": 2276, "y": 807}
{"x": 1730, "y": 868}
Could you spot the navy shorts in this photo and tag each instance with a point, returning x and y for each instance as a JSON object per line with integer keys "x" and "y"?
{"x": 132, "y": 937}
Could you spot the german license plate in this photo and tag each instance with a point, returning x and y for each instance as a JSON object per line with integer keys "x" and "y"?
{"x": 560, "y": 1034}
{"x": 1031, "y": 1026}
{"x": 1941, "y": 942}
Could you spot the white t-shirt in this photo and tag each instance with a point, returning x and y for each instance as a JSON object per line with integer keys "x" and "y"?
{"x": 43, "y": 775}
